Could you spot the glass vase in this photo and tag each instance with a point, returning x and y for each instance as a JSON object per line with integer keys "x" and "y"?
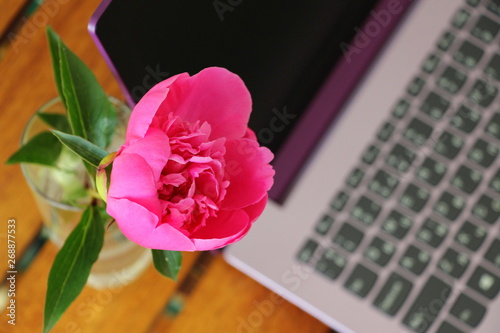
{"x": 61, "y": 193}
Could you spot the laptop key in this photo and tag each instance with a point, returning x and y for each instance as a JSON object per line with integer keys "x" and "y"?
{"x": 460, "y": 19}
{"x": 425, "y": 309}
{"x": 432, "y": 233}
{"x": 493, "y": 127}
{"x": 331, "y": 264}
{"x": 482, "y": 93}
{"x": 446, "y": 327}
{"x": 380, "y": 251}
{"x": 483, "y": 153}
{"x": 383, "y": 184}
{"x": 307, "y": 250}
{"x": 485, "y": 282}
{"x": 465, "y": 119}
{"x": 494, "y": 6}
{"x": 393, "y": 294}
{"x": 449, "y": 145}
{"x": 400, "y": 110}
{"x": 435, "y": 105}
{"x": 366, "y": 210}
{"x": 417, "y": 131}
{"x": 468, "y": 54}
{"x": 492, "y": 69}
{"x": 449, "y": 205}
{"x": 361, "y": 280}
{"x": 385, "y": 132}
{"x": 430, "y": 64}
{"x": 485, "y": 29}
{"x": 431, "y": 171}
{"x": 415, "y": 260}
{"x": 445, "y": 41}
{"x": 397, "y": 224}
{"x": 371, "y": 154}
{"x": 414, "y": 198}
{"x": 471, "y": 236}
{"x": 454, "y": 263}
{"x": 487, "y": 209}
{"x": 401, "y": 158}
{"x": 452, "y": 80}
{"x": 355, "y": 178}
{"x": 340, "y": 201}
{"x": 348, "y": 237}
{"x": 468, "y": 310}
{"x": 324, "y": 224}
{"x": 493, "y": 253}
{"x": 466, "y": 179}
{"x": 415, "y": 86}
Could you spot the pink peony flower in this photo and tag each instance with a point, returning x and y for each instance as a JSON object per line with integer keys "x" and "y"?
{"x": 191, "y": 175}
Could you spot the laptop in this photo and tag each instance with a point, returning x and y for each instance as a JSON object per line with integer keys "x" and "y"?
{"x": 384, "y": 117}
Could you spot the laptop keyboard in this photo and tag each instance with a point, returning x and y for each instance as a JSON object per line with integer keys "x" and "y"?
{"x": 415, "y": 229}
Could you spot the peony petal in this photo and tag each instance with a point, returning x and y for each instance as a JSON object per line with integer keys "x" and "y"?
{"x": 133, "y": 179}
{"x": 254, "y": 211}
{"x": 146, "y": 108}
{"x": 214, "y": 95}
{"x": 250, "y": 134}
{"x": 138, "y": 224}
{"x": 153, "y": 148}
{"x": 249, "y": 172}
{"x": 222, "y": 230}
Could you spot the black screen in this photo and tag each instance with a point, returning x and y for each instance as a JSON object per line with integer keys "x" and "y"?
{"x": 282, "y": 49}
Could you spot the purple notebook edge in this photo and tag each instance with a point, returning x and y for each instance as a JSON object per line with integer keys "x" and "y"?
{"x": 92, "y": 26}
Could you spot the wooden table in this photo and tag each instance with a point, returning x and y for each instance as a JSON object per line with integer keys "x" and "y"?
{"x": 210, "y": 296}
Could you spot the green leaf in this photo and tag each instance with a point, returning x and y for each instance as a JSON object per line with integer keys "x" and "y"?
{"x": 54, "y": 42}
{"x": 72, "y": 265}
{"x": 44, "y": 148}
{"x": 86, "y": 150}
{"x": 55, "y": 120}
{"x": 168, "y": 263}
{"x": 90, "y": 113}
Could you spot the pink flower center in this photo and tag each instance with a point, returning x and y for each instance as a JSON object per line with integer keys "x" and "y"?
{"x": 192, "y": 182}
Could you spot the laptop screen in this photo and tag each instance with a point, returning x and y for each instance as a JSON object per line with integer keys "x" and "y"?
{"x": 282, "y": 49}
